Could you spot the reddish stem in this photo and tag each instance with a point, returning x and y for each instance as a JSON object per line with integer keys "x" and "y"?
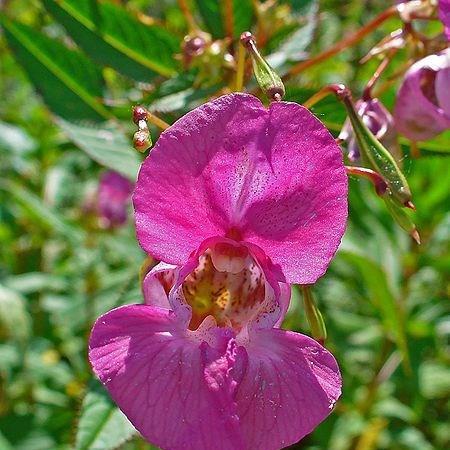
{"x": 375, "y": 178}
{"x": 367, "y": 93}
{"x": 344, "y": 43}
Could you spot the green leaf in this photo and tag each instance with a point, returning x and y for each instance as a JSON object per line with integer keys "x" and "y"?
{"x": 106, "y": 145}
{"x": 242, "y": 16}
{"x": 15, "y": 139}
{"x": 112, "y": 37}
{"x": 213, "y": 15}
{"x": 376, "y": 283}
{"x": 15, "y": 321}
{"x": 292, "y": 46}
{"x": 42, "y": 213}
{"x": 69, "y": 83}
{"x": 102, "y": 425}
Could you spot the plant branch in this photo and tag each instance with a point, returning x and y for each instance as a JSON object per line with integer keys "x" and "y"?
{"x": 343, "y": 44}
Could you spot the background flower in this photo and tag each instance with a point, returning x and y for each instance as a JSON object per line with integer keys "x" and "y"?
{"x": 422, "y": 108}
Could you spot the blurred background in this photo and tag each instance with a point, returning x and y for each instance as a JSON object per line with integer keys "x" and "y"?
{"x": 70, "y": 72}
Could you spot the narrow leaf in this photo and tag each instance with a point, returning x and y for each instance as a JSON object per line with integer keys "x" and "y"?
{"x": 112, "y": 37}
{"x": 69, "y": 83}
{"x": 102, "y": 425}
{"x": 376, "y": 283}
{"x": 107, "y": 145}
{"x": 213, "y": 15}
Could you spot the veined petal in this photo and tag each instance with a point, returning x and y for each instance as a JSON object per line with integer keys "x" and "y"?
{"x": 269, "y": 176}
{"x": 291, "y": 385}
{"x": 177, "y": 391}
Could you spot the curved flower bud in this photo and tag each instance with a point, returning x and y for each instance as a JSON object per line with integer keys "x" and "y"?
{"x": 422, "y": 109}
{"x": 378, "y": 120}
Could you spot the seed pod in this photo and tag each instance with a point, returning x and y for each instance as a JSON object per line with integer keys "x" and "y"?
{"x": 267, "y": 78}
{"x": 402, "y": 218}
{"x": 314, "y": 316}
{"x": 378, "y": 157}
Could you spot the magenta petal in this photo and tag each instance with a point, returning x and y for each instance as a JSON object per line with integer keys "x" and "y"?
{"x": 273, "y": 177}
{"x": 176, "y": 391}
{"x": 290, "y": 386}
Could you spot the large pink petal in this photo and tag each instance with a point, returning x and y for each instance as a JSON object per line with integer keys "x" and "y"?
{"x": 290, "y": 386}
{"x": 273, "y": 177}
{"x": 176, "y": 391}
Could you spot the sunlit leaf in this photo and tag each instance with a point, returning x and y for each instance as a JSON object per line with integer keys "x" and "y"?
{"x": 293, "y": 45}
{"x": 106, "y": 145}
{"x": 39, "y": 211}
{"x": 102, "y": 425}
{"x": 380, "y": 294}
{"x": 112, "y": 37}
{"x": 15, "y": 321}
{"x": 213, "y": 15}
{"x": 70, "y": 83}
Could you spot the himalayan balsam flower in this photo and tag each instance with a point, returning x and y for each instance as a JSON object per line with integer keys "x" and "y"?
{"x": 379, "y": 121}
{"x": 239, "y": 201}
{"x": 114, "y": 194}
{"x": 422, "y": 109}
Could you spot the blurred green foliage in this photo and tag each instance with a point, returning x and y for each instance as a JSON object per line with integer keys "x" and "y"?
{"x": 69, "y": 65}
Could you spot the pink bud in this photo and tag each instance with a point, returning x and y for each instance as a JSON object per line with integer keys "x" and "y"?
{"x": 422, "y": 110}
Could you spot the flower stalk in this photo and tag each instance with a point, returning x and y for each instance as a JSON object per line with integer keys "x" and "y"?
{"x": 343, "y": 44}
{"x": 375, "y": 178}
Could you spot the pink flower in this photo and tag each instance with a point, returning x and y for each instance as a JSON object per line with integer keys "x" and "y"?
{"x": 444, "y": 15}
{"x": 114, "y": 194}
{"x": 379, "y": 121}
{"x": 239, "y": 201}
{"x": 422, "y": 110}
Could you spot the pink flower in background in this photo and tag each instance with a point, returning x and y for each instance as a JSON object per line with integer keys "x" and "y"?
{"x": 238, "y": 200}
{"x": 422, "y": 109}
{"x": 444, "y": 15}
{"x": 114, "y": 194}
{"x": 379, "y": 121}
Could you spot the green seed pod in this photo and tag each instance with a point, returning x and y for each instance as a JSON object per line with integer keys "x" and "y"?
{"x": 378, "y": 157}
{"x": 401, "y": 217}
{"x": 268, "y": 80}
{"x": 314, "y": 316}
